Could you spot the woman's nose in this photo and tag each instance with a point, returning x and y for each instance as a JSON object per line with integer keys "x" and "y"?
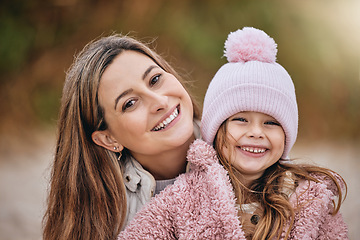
{"x": 157, "y": 102}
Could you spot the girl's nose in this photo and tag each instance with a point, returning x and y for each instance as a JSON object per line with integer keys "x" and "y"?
{"x": 255, "y": 131}
{"x": 157, "y": 102}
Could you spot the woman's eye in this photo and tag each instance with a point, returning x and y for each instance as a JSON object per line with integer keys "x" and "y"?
{"x": 154, "y": 80}
{"x": 272, "y": 123}
{"x": 128, "y": 104}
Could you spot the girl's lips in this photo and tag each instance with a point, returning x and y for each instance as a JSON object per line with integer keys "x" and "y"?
{"x": 253, "y": 151}
{"x": 168, "y": 119}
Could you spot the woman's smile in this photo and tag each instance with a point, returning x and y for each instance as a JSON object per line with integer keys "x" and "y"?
{"x": 147, "y": 100}
{"x": 169, "y": 118}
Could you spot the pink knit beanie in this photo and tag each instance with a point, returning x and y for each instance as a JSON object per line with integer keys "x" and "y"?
{"x": 251, "y": 81}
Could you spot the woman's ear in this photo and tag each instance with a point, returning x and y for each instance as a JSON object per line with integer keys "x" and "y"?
{"x": 104, "y": 139}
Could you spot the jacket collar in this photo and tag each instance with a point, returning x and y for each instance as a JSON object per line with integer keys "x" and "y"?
{"x": 132, "y": 173}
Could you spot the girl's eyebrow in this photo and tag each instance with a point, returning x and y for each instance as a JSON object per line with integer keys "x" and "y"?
{"x": 147, "y": 71}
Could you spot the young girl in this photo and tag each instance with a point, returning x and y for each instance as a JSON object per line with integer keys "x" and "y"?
{"x": 250, "y": 117}
{"x": 126, "y": 123}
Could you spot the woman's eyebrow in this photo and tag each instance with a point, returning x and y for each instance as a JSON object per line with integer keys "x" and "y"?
{"x": 122, "y": 95}
{"x": 148, "y": 70}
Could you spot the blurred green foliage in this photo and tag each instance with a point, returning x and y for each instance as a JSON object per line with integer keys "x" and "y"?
{"x": 16, "y": 39}
{"x": 38, "y": 40}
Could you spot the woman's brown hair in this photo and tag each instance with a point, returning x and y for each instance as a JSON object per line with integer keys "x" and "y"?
{"x": 87, "y": 197}
{"x": 278, "y": 212}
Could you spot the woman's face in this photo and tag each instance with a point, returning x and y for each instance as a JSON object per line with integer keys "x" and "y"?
{"x": 147, "y": 110}
{"x": 256, "y": 141}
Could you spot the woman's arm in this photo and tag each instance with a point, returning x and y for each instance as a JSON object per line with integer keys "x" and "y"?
{"x": 154, "y": 221}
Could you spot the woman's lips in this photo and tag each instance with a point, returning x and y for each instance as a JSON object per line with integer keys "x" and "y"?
{"x": 163, "y": 124}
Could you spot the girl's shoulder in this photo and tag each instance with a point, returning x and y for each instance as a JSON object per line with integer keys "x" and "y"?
{"x": 320, "y": 186}
{"x": 331, "y": 181}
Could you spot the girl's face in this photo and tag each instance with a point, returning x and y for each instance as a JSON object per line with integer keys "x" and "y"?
{"x": 147, "y": 110}
{"x": 256, "y": 141}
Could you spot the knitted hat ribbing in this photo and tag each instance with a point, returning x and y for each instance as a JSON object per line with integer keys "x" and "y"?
{"x": 250, "y": 81}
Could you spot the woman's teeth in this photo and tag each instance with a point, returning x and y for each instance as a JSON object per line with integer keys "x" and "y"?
{"x": 253, "y": 150}
{"x": 168, "y": 120}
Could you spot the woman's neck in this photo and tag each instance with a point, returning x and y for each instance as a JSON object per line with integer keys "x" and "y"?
{"x": 168, "y": 164}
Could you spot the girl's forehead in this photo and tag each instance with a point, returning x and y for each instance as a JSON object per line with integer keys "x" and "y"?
{"x": 253, "y": 114}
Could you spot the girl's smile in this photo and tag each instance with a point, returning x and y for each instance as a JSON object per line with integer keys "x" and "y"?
{"x": 256, "y": 141}
{"x": 253, "y": 151}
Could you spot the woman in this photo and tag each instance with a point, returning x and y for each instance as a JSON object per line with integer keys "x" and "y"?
{"x": 125, "y": 121}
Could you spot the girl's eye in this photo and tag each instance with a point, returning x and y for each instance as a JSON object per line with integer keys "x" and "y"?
{"x": 240, "y": 119}
{"x": 128, "y": 104}
{"x": 272, "y": 123}
{"x": 154, "y": 80}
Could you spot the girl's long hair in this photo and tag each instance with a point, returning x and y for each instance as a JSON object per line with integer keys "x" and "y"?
{"x": 278, "y": 213}
{"x": 87, "y": 197}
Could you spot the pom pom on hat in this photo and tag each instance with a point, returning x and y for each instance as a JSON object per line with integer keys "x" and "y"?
{"x": 250, "y": 44}
{"x": 252, "y": 80}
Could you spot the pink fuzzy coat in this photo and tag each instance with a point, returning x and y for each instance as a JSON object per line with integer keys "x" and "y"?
{"x": 201, "y": 205}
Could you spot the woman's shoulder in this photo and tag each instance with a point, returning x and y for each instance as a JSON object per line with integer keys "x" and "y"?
{"x": 202, "y": 163}
{"x": 204, "y": 171}
{"x": 201, "y": 154}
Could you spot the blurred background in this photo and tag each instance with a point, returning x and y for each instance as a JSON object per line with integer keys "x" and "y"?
{"x": 318, "y": 44}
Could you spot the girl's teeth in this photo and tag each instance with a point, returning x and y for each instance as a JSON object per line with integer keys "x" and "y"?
{"x": 253, "y": 150}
